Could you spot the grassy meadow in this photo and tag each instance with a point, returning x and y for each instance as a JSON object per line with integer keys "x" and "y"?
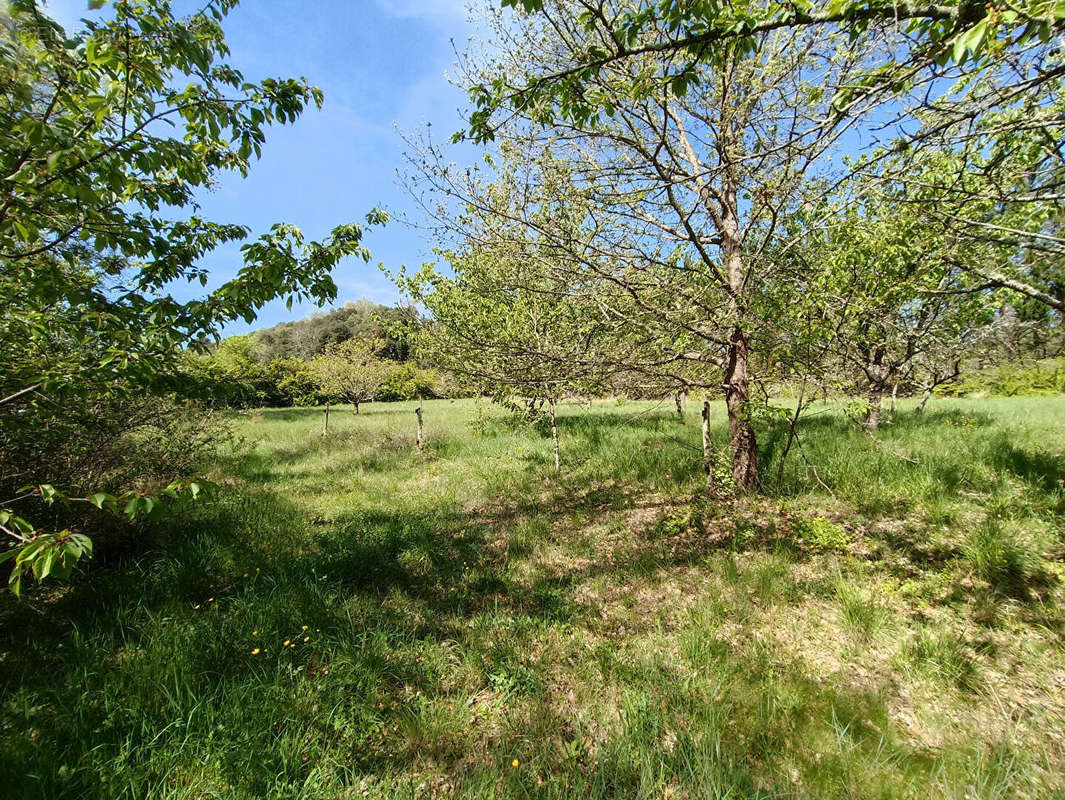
{"x": 349, "y": 617}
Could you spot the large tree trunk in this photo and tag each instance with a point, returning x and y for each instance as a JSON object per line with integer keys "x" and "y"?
{"x": 741, "y": 434}
{"x": 355, "y": 406}
{"x": 871, "y": 422}
{"x": 737, "y": 381}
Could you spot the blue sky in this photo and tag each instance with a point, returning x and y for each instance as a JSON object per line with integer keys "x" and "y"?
{"x": 381, "y": 64}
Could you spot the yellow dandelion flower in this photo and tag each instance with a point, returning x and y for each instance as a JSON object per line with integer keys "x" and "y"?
{"x": 245, "y": 574}
{"x": 255, "y": 652}
{"x": 303, "y": 628}
{"x": 210, "y": 599}
{"x": 255, "y": 633}
{"x": 306, "y": 638}
{"x": 514, "y": 763}
{"x": 286, "y": 643}
{"x": 196, "y": 606}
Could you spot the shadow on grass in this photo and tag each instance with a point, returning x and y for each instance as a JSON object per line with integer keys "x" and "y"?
{"x": 1039, "y": 469}
{"x": 140, "y": 675}
{"x": 183, "y": 667}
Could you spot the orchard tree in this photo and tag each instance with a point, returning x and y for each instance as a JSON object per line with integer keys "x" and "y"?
{"x": 107, "y": 137}
{"x": 978, "y": 111}
{"x": 894, "y": 309}
{"x": 352, "y": 370}
{"x": 506, "y": 315}
{"x": 684, "y": 35}
{"x": 686, "y": 184}
{"x": 992, "y": 181}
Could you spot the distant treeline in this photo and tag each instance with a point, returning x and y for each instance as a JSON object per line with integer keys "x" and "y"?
{"x": 279, "y": 366}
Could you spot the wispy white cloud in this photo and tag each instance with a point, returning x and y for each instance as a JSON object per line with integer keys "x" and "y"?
{"x": 430, "y": 10}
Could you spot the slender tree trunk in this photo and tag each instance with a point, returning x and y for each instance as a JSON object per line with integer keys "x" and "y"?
{"x": 878, "y": 376}
{"x": 325, "y": 424}
{"x": 894, "y": 395}
{"x": 554, "y": 437}
{"x": 708, "y": 452}
{"x": 419, "y": 439}
{"x": 355, "y": 405}
{"x": 741, "y": 434}
{"x": 792, "y": 422}
{"x": 680, "y": 397}
{"x": 924, "y": 400}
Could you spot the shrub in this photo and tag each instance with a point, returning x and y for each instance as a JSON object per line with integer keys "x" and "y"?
{"x": 1043, "y": 378}
{"x": 822, "y": 534}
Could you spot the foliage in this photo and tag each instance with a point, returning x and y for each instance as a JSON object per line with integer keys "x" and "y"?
{"x": 822, "y": 534}
{"x": 408, "y": 382}
{"x": 685, "y": 35}
{"x": 360, "y": 319}
{"x": 107, "y": 137}
{"x": 56, "y": 554}
{"x": 1010, "y": 380}
{"x": 351, "y": 370}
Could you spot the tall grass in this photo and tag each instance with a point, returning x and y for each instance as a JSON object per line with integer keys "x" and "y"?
{"x": 448, "y": 613}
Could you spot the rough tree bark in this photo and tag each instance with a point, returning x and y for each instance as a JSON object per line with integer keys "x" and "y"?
{"x": 877, "y": 375}
{"x": 871, "y": 422}
{"x": 679, "y": 398}
{"x": 737, "y": 381}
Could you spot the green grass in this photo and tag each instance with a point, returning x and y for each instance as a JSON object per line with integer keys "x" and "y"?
{"x": 889, "y": 626}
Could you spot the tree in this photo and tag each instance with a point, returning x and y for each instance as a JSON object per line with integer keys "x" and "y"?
{"x": 978, "y": 83}
{"x": 106, "y": 138}
{"x": 892, "y": 308}
{"x": 351, "y": 369}
{"x": 685, "y": 185}
{"x": 686, "y": 34}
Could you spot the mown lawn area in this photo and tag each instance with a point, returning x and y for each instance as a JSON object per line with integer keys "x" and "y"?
{"x": 350, "y": 617}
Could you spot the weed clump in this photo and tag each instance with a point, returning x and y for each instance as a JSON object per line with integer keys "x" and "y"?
{"x": 822, "y": 534}
{"x": 942, "y": 655}
{"x": 998, "y": 558}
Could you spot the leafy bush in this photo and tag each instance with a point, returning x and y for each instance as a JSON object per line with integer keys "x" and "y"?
{"x": 822, "y": 534}
{"x": 1043, "y": 378}
{"x": 408, "y": 382}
